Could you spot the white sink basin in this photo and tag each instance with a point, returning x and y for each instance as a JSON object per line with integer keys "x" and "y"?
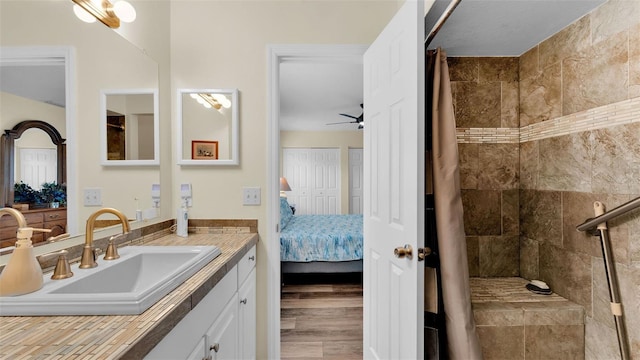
{"x": 126, "y": 286}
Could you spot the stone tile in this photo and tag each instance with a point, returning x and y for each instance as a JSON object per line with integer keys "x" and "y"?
{"x": 510, "y": 106}
{"x": 499, "y": 256}
{"x": 463, "y": 68}
{"x": 529, "y": 66}
{"x": 541, "y": 96}
{"x": 501, "y": 342}
{"x": 551, "y": 313}
{"x": 597, "y": 76}
{"x": 616, "y": 160}
{"x": 497, "y": 314}
{"x": 468, "y": 154}
{"x": 529, "y": 255}
{"x": 554, "y": 342}
{"x": 600, "y": 341}
{"x": 478, "y": 105}
{"x": 529, "y": 164}
{"x": 613, "y": 17}
{"x": 629, "y": 279}
{"x": 634, "y": 62}
{"x": 498, "y": 69}
{"x": 633, "y": 224}
{"x": 481, "y": 212}
{"x": 572, "y": 39}
{"x": 568, "y": 274}
{"x": 511, "y": 212}
{"x": 541, "y": 216}
{"x": 498, "y": 166}
{"x": 565, "y": 162}
{"x": 473, "y": 255}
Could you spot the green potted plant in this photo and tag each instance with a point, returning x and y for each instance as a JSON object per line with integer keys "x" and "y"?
{"x": 54, "y": 194}
{"x": 24, "y": 194}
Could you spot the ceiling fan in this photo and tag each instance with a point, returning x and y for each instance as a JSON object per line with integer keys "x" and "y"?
{"x": 357, "y": 120}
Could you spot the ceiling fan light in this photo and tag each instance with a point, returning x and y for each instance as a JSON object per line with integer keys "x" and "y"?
{"x": 125, "y": 11}
{"x": 83, "y": 14}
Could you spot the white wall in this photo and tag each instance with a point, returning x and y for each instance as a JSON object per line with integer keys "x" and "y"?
{"x": 343, "y": 140}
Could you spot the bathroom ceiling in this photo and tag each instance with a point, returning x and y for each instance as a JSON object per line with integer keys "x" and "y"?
{"x": 313, "y": 94}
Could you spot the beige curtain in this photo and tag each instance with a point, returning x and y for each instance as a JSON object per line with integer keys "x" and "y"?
{"x": 461, "y": 332}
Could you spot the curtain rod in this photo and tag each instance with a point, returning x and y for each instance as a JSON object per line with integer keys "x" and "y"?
{"x": 443, "y": 18}
{"x": 624, "y": 208}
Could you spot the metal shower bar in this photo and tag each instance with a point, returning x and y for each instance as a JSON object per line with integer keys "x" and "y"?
{"x": 622, "y": 209}
{"x": 443, "y": 18}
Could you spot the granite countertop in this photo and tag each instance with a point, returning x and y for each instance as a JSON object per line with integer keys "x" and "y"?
{"x": 128, "y": 336}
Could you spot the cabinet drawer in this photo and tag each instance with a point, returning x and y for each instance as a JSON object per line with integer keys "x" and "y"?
{"x": 55, "y": 215}
{"x": 31, "y": 218}
{"x": 245, "y": 265}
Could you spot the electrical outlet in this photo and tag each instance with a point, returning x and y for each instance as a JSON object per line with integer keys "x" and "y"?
{"x": 251, "y": 196}
{"x": 93, "y": 197}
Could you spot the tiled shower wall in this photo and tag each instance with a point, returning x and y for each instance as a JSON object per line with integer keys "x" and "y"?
{"x": 578, "y": 141}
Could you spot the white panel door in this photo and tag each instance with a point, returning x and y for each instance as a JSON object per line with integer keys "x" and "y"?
{"x": 356, "y": 185}
{"x": 314, "y": 177}
{"x": 38, "y": 166}
{"x": 394, "y": 188}
{"x": 295, "y": 168}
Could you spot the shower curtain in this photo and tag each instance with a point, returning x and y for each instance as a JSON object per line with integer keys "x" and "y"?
{"x": 462, "y": 339}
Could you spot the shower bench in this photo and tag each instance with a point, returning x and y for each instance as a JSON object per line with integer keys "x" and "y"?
{"x": 514, "y": 323}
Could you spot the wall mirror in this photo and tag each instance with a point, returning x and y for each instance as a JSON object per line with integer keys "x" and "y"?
{"x": 94, "y": 58}
{"x": 129, "y": 122}
{"x": 208, "y": 127}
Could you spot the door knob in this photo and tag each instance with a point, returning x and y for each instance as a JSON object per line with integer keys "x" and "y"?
{"x": 403, "y": 252}
{"x": 215, "y": 347}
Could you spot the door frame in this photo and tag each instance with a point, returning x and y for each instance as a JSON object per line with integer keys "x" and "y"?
{"x": 277, "y": 54}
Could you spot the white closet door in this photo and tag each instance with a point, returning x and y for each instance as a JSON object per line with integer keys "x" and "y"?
{"x": 356, "y": 171}
{"x": 297, "y": 171}
{"x": 37, "y": 166}
{"x": 314, "y": 177}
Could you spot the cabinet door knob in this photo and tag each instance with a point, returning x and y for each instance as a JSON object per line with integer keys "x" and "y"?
{"x": 252, "y": 258}
{"x": 243, "y": 301}
{"x": 215, "y": 347}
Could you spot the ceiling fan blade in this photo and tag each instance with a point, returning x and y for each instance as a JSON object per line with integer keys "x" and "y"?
{"x": 343, "y": 122}
{"x": 349, "y": 116}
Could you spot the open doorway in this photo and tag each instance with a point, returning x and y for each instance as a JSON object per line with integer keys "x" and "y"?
{"x": 285, "y": 62}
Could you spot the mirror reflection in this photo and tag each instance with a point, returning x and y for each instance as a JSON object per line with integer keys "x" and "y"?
{"x": 92, "y": 58}
{"x": 130, "y": 125}
{"x": 208, "y": 121}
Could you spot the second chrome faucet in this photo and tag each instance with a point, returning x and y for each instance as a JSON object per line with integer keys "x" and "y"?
{"x": 88, "y": 259}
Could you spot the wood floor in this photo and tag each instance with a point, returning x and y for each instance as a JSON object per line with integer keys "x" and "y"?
{"x": 321, "y": 317}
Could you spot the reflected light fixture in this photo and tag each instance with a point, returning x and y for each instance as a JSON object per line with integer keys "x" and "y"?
{"x": 284, "y": 186}
{"x": 103, "y": 10}
{"x": 216, "y": 101}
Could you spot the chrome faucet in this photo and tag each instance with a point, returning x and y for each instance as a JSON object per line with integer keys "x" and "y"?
{"x": 88, "y": 259}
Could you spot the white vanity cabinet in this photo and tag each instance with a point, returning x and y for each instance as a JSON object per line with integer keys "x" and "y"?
{"x": 223, "y": 324}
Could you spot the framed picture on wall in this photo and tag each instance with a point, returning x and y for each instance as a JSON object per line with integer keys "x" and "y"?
{"x": 204, "y": 150}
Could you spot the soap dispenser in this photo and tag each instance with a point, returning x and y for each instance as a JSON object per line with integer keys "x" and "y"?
{"x": 23, "y": 273}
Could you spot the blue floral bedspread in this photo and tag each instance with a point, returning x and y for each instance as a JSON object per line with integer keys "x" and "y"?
{"x": 307, "y": 238}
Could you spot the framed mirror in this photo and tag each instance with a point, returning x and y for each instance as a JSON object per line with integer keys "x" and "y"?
{"x": 208, "y": 127}
{"x": 129, "y": 124}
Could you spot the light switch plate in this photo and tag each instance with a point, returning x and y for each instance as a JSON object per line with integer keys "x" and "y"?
{"x": 251, "y": 196}
{"x": 92, "y": 197}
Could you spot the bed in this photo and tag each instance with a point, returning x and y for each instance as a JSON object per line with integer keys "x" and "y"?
{"x": 319, "y": 243}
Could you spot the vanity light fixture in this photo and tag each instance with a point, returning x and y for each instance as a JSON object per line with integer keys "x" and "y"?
{"x": 103, "y": 10}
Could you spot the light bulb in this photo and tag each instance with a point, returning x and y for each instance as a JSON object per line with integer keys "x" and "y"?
{"x": 193, "y": 95}
{"x": 200, "y": 100}
{"x": 207, "y": 105}
{"x": 226, "y": 103}
{"x": 124, "y": 11}
{"x": 83, "y": 14}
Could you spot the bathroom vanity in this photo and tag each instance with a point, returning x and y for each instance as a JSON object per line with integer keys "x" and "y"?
{"x": 217, "y": 305}
{"x": 54, "y": 219}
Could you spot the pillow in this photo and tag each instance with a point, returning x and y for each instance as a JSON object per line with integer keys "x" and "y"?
{"x": 285, "y": 212}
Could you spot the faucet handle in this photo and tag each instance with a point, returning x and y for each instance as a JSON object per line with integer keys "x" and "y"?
{"x": 62, "y": 269}
{"x": 58, "y": 237}
{"x": 112, "y": 251}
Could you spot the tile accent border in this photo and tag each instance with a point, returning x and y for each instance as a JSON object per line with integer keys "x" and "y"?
{"x": 620, "y": 113}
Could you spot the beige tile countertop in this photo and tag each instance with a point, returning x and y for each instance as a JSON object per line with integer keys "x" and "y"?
{"x": 126, "y": 337}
